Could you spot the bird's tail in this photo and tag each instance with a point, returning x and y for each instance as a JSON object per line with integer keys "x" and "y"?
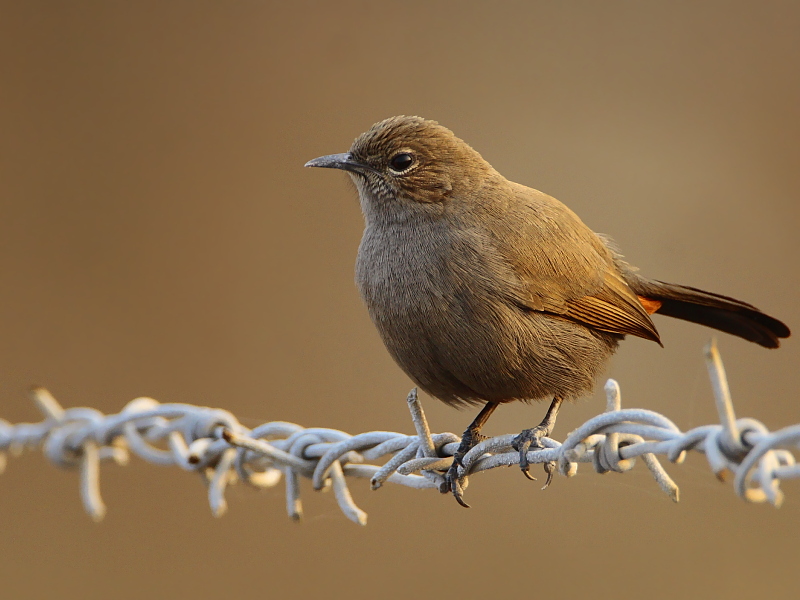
{"x": 713, "y": 310}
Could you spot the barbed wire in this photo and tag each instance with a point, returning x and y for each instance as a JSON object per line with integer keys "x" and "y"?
{"x": 214, "y": 444}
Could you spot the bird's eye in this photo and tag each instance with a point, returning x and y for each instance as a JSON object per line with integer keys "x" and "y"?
{"x": 401, "y": 162}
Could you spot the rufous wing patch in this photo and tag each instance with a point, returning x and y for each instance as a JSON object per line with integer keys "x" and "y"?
{"x": 650, "y": 305}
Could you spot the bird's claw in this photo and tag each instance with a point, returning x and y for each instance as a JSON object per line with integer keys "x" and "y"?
{"x": 549, "y": 468}
{"x": 522, "y": 448}
{"x": 527, "y": 439}
{"x": 452, "y": 479}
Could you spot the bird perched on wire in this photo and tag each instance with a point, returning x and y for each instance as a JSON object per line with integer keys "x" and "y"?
{"x": 486, "y": 291}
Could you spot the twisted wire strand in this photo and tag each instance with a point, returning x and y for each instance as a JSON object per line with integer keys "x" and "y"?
{"x": 214, "y": 444}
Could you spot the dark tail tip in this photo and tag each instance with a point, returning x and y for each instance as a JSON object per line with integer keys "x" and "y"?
{"x": 715, "y": 310}
{"x": 749, "y": 324}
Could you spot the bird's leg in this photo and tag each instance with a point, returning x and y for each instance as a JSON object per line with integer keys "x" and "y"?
{"x": 469, "y": 440}
{"x": 531, "y": 438}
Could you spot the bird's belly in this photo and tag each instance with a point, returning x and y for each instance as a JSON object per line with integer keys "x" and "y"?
{"x": 461, "y": 342}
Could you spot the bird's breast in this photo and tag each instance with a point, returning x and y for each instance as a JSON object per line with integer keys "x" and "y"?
{"x": 404, "y": 272}
{"x": 431, "y": 290}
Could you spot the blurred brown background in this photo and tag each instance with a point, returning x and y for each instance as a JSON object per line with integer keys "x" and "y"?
{"x": 159, "y": 236}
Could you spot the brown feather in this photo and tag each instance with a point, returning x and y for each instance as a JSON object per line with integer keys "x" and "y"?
{"x": 613, "y": 318}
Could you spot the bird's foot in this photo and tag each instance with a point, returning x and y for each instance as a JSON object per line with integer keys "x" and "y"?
{"x": 532, "y": 439}
{"x": 453, "y": 481}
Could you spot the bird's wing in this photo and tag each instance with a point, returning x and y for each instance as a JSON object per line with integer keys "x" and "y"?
{"x": 563, "y": 268}
{"x": 614, "y": 309}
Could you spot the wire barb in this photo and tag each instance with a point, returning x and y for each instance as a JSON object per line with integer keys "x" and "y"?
{"x": 212, "y": 443}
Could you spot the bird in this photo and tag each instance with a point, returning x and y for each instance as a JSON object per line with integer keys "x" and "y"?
{"x": 485, "y": 291}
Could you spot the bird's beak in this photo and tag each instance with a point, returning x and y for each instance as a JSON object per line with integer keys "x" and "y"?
{"x": 339, "y": 161}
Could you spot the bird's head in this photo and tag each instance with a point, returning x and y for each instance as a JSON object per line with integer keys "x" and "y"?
{"x": 409, "y": 161}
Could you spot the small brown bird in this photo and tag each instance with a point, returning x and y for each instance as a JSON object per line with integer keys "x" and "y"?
{"x": 486, "y": 291}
